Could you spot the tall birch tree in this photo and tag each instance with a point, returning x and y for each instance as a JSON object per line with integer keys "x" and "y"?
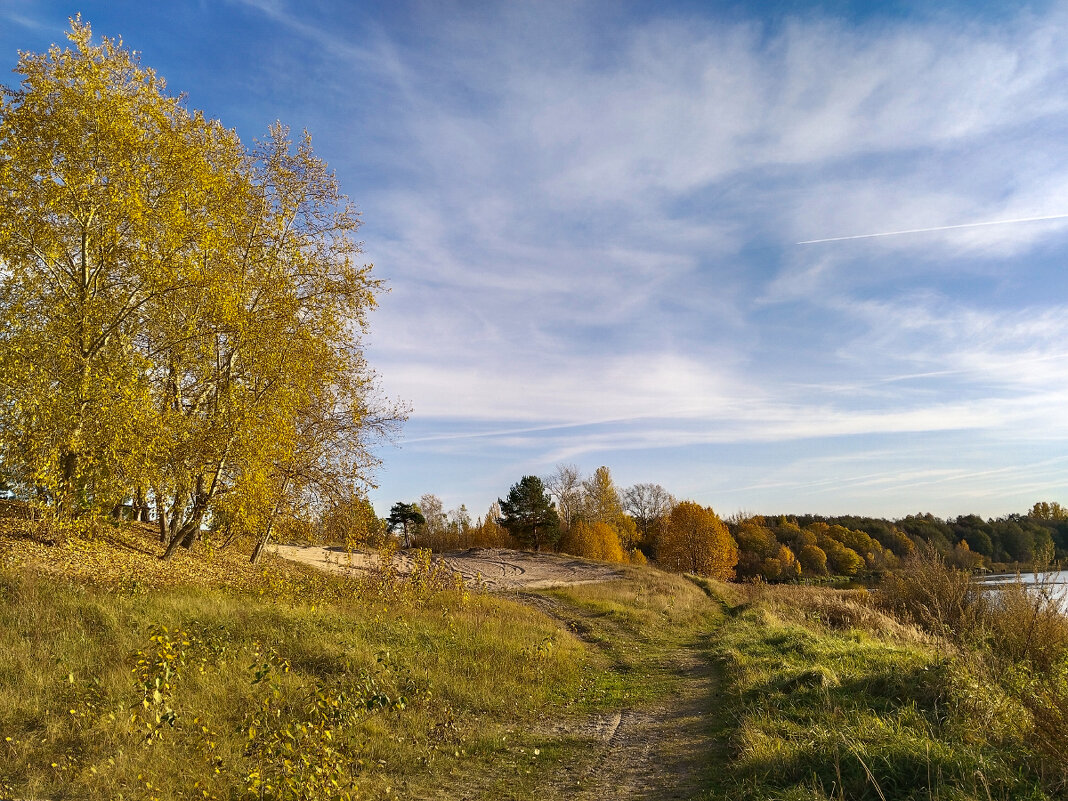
{"x": 180, "y": 316}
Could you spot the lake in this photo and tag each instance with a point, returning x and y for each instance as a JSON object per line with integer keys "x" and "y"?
{"x": 1056, "y": 580}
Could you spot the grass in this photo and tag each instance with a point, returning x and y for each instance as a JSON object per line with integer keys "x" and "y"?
{"x": 203, "y": 688}
{"x": 636, "y": 625}
{"x": 125, "y": 678}
{"x": 633, "y": 632}
{"x": 82, "y": 724}
{"x": 834, "y": 700}
{"x": 121, "y": 677}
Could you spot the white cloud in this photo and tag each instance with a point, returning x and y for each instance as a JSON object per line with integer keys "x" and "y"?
{"x": 589, "y": 229}
{"x": 1019, "y": 349}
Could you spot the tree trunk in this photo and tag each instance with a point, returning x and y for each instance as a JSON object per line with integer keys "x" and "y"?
{"x": 161, "y": 518}
{"x": 186, "y": 534}
{"x": 142, "y": 514}
{"x": 67, "y": 492}
{"x": 200, "y": 507}
{"x": 231, "y": 535}
{"x": 258, "y": 550}
{"x": 174, "y": 531}
{"x": 172, "y": 545}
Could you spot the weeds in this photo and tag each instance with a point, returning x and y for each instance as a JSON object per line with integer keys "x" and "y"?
{"x": 1012, "y": 646}
{"x": 110, "y": 691}
{"x": 311, "y": 747}
{"x": 938, "y": 598}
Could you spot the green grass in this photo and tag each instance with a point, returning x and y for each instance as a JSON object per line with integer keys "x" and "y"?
{"x": 197, "y": 691}
{"x": 634, "y": 627}
{"x": 78, "y": 722}
{"x": 632, "y": 632}
{"x": 288, "y": 683}
{"x": 862, "y": 712}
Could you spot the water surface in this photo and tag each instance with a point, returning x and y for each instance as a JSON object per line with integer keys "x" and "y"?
{"x": 1054, "y": 581}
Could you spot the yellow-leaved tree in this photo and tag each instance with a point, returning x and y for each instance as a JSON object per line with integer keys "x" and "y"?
{"x": 595, "y": 540}
{"x": 602, "y": 503}
{"x": 181, "y": 315}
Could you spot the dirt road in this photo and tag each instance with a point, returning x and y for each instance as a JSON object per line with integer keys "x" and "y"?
{"x": 657, "y": 752}
{"x": 654, "y": 754}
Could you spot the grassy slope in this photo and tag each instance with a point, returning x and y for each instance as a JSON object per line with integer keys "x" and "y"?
{"x": 124, "y": 678}
{"x": 208, "y": 678}
{"x": 834, "y": 700}
{"x": 79, "y": 664}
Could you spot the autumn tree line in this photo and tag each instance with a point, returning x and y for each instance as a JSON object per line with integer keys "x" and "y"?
{"x": 180, "y": 314}
{"x": 591, "y": 517}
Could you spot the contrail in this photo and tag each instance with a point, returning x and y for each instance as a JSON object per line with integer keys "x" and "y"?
{"x": 936, "y": 228}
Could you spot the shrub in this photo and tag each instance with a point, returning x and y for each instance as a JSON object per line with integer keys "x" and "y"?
{"x": 934, "y": 596}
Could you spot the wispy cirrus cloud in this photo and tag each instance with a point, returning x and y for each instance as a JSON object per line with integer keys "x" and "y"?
{"x": 589, "y": 223}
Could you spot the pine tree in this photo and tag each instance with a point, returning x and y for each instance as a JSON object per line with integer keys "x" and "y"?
{"x": 529, "y": 515}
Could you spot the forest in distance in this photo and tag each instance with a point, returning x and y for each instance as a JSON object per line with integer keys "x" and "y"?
{"x": 591, "y": 517}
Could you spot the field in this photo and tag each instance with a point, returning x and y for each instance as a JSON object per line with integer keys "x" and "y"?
{"x": 122, "y": 677}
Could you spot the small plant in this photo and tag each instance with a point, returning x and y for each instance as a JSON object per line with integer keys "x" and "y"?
{"x": 309, "y": 747}
{"x": 157, "y": 670}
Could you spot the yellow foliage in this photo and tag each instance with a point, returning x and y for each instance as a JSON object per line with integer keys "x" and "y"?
{"x": 180, "y": 317}
{"x": 695, "y": 540}
{"x": 781, "y": 567}
{"x": 351, "y": 522}
{"x": 756, "y": 538}
{"x": 593, "y": 541}
{"x": 813, "y": 560}
{"x": 602, "y": 502}
{"x": 124, "y": 557}
{"x": 488, "y": 533}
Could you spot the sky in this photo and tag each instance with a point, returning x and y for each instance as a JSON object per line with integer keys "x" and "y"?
{"x": 596, "y": 221}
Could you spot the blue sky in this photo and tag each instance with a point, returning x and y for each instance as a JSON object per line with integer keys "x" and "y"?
{"x": 588, "y": 215}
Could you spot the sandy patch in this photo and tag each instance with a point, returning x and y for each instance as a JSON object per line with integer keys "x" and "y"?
{"x": 496, "y": 568}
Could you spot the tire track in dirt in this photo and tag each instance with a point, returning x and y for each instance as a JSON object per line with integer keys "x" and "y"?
{"x": 656, "y": 753}
{"x": 496, "y": 569}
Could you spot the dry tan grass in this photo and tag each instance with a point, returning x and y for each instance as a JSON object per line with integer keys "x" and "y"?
{"x": 837, "y": 610}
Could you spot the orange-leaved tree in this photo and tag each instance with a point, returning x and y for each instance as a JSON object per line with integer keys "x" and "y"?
{"x": 695, "y": 540}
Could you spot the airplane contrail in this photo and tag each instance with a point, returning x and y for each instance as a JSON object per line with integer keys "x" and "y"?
{"x": 936, "y": 228}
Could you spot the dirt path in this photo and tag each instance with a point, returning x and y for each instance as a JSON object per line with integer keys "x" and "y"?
{"x": 652, "y": 753}
{"x": 655, "y": 752}
{"x": 658, "y": 752}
